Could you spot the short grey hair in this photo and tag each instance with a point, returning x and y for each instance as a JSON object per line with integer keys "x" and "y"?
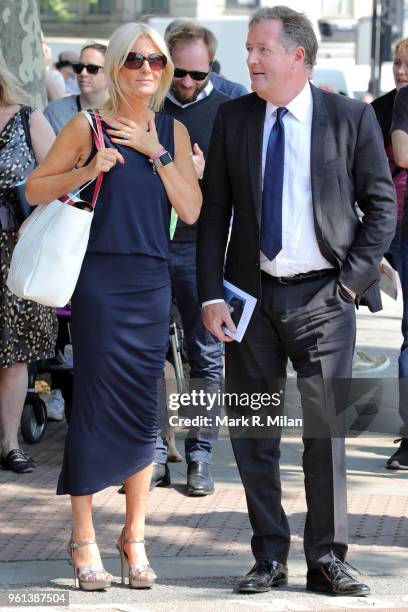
{"x": 297, "y": 30}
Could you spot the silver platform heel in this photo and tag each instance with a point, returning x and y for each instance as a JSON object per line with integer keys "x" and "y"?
{"x": 140, "y": 576}
{"x": 88, "y": 578}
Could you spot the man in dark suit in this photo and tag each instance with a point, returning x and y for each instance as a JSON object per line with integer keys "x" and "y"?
{"x": 288, "y": 163}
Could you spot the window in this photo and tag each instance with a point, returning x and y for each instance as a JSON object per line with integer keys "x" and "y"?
{"x": 244, "y": 4}
{"x": 102, "y": 6}
{"x": 338, "y": 8}
{"x": 156, "y": 6}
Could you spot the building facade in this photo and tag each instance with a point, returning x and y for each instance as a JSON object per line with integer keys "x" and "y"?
{"x": 97, "y": 18}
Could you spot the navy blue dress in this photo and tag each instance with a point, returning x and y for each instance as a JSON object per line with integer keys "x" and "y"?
{"x": 120, "y": 326}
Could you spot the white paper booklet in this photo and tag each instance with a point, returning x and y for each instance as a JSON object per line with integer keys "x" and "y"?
{"x": 242, "y": 306}
{"x": 388, "y": 279}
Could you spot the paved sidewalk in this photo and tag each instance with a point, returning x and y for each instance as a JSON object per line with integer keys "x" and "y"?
{"x": 200, "y": 546}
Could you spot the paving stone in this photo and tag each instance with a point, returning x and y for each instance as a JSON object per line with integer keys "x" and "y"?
{"x": 35, "y": 521}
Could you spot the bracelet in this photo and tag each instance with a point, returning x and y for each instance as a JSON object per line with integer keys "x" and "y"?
{"x": 162, "y": 150}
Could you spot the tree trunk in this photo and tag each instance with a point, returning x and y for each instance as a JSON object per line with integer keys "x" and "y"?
{"x": 21, "y": 45}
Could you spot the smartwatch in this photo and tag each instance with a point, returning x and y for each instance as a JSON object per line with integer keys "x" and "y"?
{"x": 162, "y": 159}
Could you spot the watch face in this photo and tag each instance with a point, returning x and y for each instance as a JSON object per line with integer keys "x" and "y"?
{"x": 165, "y": 159}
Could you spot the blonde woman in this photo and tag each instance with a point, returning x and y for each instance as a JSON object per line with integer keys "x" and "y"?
{"x": 27, "y": 330}
{"x": 121, "y": 304}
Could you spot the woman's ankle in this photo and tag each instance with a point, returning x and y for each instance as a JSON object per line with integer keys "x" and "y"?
{"x": 133, "y": 532}
{"x": 83, "y": 535}
{"x": 8, "y": 445}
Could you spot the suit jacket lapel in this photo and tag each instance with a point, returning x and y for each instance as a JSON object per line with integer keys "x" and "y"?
{"x": 320, "y": 123}
{"x": 255, "y": 139}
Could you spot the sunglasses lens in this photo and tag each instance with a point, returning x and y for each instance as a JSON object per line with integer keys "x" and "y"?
{"x": 156, "y": 60}
{"x": 92, "y": 69}
{"x": 198, "y": 76}
{"x": 134, "y": 61}
{"x": 77, "y": 68}
{"x": 179, "y": 73}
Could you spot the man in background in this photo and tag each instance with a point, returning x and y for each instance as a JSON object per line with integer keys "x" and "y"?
{"x": 230, "y": 88}
{"x": 194, "y": 101}
{"x": 92, "y": 85}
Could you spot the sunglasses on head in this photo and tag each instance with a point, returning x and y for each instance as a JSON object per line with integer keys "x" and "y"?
{"x": 196, "y": 75}
{"x": 90, "y": 68}
{"x": 134, "y": 61}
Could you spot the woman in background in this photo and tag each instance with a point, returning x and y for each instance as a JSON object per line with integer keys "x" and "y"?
{"x": 27, "y": 330}
{"x": 383, "y": 107}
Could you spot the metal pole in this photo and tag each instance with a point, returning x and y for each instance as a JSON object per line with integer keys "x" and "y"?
{"x": 375, "y": 80}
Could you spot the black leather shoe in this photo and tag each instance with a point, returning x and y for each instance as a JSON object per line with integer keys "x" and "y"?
{"x": 399, "y": 460}
{"x": 335, "y": 578}
{"x": 17, "y": 461}
{"x": 265, "y": 575}
{"x": 160, "y": 475}
{"x": 199, "y": 479}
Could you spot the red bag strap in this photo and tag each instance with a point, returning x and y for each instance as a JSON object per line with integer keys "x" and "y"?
{"x": 99, "y": 143}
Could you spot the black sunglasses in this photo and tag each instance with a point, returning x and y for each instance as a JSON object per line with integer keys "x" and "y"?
{"x": 134, "y": 61}
{"x": 196, "y": 75}
{"x": 90, "y": 68}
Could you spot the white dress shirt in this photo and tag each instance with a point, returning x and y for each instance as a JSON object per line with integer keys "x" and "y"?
{"x": 300, "y": 252}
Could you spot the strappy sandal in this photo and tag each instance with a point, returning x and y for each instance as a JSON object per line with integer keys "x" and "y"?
{"x": 88, "y": 578}
{"x": 140, "y": 576}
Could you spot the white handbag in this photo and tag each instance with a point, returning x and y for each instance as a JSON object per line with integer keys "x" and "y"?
{"x": 47, "y": 258}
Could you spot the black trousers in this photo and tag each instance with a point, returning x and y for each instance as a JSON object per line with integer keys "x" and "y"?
{"x": 313, "y": 323}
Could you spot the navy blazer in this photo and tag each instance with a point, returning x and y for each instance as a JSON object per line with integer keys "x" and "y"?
{"x": 348, "y": 166}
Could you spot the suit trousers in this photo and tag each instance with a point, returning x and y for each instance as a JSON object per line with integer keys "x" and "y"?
{"x": 312, "y": 322}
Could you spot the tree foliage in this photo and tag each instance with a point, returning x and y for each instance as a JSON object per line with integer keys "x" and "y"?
{"x": 61, "y": 7}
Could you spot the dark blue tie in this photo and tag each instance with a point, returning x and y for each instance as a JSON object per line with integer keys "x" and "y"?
{"x": 271, "y": 223}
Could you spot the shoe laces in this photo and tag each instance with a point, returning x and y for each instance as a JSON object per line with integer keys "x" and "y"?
{"x": 268, "y": 566}
{"x": 364, "y": 357}
{"x": 337, "y": 567}
{"x": 17, "y": 454}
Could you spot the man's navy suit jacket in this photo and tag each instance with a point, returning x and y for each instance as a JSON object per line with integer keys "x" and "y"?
{"x": 348, "y": 166}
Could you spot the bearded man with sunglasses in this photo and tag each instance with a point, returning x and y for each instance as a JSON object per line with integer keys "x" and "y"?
{"x": 91, "y": 83}
{"x": 193, "y": 101}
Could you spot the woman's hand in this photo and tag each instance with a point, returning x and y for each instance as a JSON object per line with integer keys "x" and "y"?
{"x": 127, "y": 133}
{"x": 103, "y": 161}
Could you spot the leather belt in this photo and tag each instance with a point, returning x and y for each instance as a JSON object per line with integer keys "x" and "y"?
{"x": 299, "y": 278}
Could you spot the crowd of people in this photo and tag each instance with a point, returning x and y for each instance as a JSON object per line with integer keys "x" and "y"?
{"x": 265, "y": 187}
